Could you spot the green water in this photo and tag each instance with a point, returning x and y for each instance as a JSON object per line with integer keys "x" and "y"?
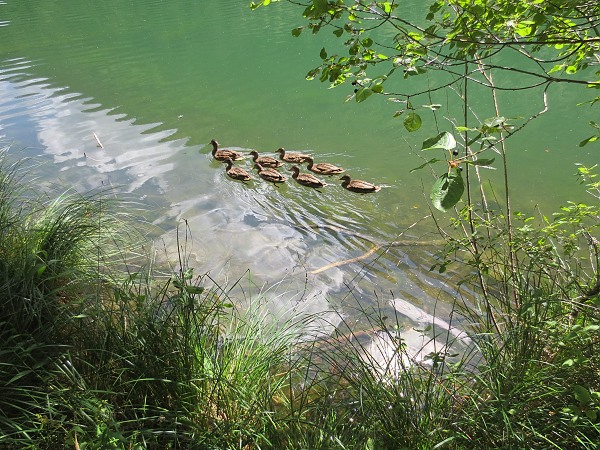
{"x": 155, "y": 81}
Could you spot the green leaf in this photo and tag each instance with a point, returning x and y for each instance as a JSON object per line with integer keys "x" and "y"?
{"x": 370, "y": 444}
{"x": 324, "y": 74}
{"x": 474, "y": 139}
{"x": 412, "y": 122}
{"x": 320, "y": 7}
{"x": 338, "y": 32}
{"x": 525, "y": 28}
{"x": 323, "y": 53}
{"x": 481, "y": 162}
{"x": 494, "y": 122}
{"x": 443, "y": 140}
{"x": 431, "y": 161}
{"x": 377, "y": 88}
{"x": 582, "y": 395}
{"x": 296, "y": 31}
{"x": 312, "y": 74}
{"x": 447, "y": 190}
{"x": 415, "y": 36}
{"x": 363, "y": 94}
{"x": 588, "y": 140}
{"x": 413, "y": 70}
{"x": 194, "y": 289}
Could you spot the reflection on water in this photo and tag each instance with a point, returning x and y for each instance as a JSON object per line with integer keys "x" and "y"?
{"x": 306, "y": 251}
{"x": 155, "y": 81}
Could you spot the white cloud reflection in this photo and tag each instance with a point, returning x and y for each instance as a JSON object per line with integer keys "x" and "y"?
{"x": 231, "y": 233}
{"x": 234, "y": 228}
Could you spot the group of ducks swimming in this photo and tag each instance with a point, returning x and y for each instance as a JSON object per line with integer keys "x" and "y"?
{"x": 267, "y": 169}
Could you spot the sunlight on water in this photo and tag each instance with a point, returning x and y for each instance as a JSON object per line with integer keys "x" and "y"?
{"x": 285, "y": 236}
{"x": 153, "y": 82}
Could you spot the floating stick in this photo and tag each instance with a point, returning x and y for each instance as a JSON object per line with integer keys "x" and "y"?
{"x": 98, "y": 140}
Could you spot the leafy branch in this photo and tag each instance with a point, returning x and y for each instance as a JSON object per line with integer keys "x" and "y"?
{"x": 542, "y": 41}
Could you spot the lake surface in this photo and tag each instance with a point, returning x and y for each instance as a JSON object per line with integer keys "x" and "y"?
{"x": 156, "y": 81}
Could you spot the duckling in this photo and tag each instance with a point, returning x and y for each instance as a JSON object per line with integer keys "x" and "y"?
{"x": 292, "y": 157}
{"x": 306, "y": 179}
{"x": 237, "y": 173}
{"x": 358, "y": 185}
{"x": 265, "y": 161}
{"x": 323, "y": 168}
{"x": 271, "y": 175}
{"x": 223, "y": 154}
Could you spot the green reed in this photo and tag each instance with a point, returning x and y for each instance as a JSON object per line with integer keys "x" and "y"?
{"x": 99, "y": 349}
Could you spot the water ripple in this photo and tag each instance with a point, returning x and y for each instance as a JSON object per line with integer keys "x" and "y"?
{"x": 156, "y": 83}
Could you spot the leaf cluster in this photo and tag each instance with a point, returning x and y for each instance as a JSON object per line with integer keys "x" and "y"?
{"x": 542, "y": 42}
{"x": 557, "y": 39}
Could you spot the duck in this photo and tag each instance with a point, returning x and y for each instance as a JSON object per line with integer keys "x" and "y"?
{"x": 269, "y": 174}
{"x": 223, "y": 154}
{"x": 265, "y": 161}
{"x": 237, "y": 173}
{"x": 323, "y": 168}
{"x": 358, "y": 185}
{"x": 306, "y": 179}
{"x": 292, "y": 157}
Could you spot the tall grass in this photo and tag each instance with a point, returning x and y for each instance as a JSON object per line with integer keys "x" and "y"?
{"x": 49, "y": 270}
{"x": 97, "y": 353}
{"x": 539, "y": 381}
{"x": 100, "y": 350}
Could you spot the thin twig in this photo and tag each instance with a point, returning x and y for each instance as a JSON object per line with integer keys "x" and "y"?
{"x": 98, "y": 140}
